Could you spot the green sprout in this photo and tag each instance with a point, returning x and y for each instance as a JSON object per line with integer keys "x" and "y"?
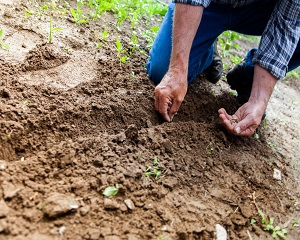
{"x": 275, "y": 231}
{"x": 295, "y": 222}
{"x": 154, "y": 170}
{"x": 111, "y": 190}
{"x": 78, "y": 16}
{"x": 52, "y": 29}
{"x": 120, "y": 51}
{"x": 3, "y": 44}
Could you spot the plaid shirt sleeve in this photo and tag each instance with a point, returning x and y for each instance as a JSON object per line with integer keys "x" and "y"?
{"x": 280, "y": 38}
{"x": 203, "y": 3}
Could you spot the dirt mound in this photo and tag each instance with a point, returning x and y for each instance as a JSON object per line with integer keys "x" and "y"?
{"x": 75, "y": 120}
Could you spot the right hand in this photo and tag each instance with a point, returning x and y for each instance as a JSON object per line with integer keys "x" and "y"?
{"x": 169, "y": 94}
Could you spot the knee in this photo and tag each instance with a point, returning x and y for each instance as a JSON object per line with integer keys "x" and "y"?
{"x": 156, "y": 70}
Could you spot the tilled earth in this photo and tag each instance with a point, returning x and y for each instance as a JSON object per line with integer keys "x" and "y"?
{"x": 74, "y": 120}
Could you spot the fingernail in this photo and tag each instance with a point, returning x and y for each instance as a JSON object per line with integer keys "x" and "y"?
{"x": 238, "y": 130}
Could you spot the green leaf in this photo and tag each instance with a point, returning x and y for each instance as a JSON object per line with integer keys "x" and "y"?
{"x": 295, "y": 222}
{"x": 4, "y": 45}
{"x": 1, "y": 33}
{"x": 111, "y": 191}
{"x": 252, "y": 221}
{"x": 57, "y": 29}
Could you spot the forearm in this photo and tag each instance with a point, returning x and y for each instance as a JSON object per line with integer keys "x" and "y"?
{"x": 186, "y": 22}
{"x": 262, "y": 87}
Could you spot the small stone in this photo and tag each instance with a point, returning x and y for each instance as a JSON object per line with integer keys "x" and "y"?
{"x": 94, "y": 234}
{"x": 3, "y": 225}
{"x": 113, "y": 237}
{"x": 277, "y": 174}
{"x": 149, "y": 123}
{"x": 4, "y": 209}
{"x": 84, "y": 210}
{"x": 170, "y": 182}
{"x": 167, "y": 146}
{"x": 111, "y": 204}
{"x": 121, "y": 137}
{"x": 129, "y": 204}
{"x": 132, "y": 132}
{"x": 57, "y": 204}
{"x": 9, "y": 190}
{"x": 221, "y": 232}
{"x": 246, "y": 211}
{"x": 62, "y": 230}
{"x": 3, "y": 165}
{"x": 123, "y": 207}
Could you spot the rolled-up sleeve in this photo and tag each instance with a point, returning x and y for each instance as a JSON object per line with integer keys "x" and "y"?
{"x": 280, "y": 38}
{"x": 203, "y": 3}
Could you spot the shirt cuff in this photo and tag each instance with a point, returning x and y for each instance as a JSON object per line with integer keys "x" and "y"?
{"x": 272, "y": 65}
{"x": 203, "y": 3}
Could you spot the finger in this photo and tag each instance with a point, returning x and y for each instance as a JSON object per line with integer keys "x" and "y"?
{"x": 163, "y": 106}
{"x": 156, "y": 100}
{"x": 226, "y": 120}
{"x": 246, "y": 127}
{"x": 174, "y": 108}
{"x": 223, "y": 112}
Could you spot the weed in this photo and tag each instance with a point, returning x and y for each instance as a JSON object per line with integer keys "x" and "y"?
{"x": 209, "y": 149}
{"x": 28, "y": 13}
{"x": 78, "y": 16}
{"x": 292, "y": 73}
{"x": 275, "y": 231}
{"x": 3, "y": 44}
{"x": 226, "y": 42}
{"x": 154, "y": 170}
{"x": 41, "y": 10}
{"x": 255, "y": 135}
{"x": 52, "y": 30}
{"x": 120, "y": 51}
{"x": 295, "y": 222}
{"x": 111, "y": 190}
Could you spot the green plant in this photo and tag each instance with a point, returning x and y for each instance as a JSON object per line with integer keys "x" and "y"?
{"x": 3, "y": 44}
{"x": 78, "y": 16}
{"x": 120, "y": 51}
{"x": 111, "y": 190}
{"x": 227, "y": 41}
{"x": 41, "y": 10}
{"x": 295, "y": 222}
{"x": 154, "y": 170}
{"x": 275, "y": 231}
{"x": 52, "y": 29}
{"x": 255, "y": 135}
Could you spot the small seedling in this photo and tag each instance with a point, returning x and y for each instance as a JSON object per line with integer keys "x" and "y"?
{"x": 154, "y": 170}
{"x": 295, "y": 222}
{"x": 209, "y": 149}
{"x": 255, "y": 135}
{"x": 28, "y": 13}
{"x": 120, "y": 51}
{"x": 111, "y": 190}
{"x": 52, "y": 30}
{"x": 77, "y": 15}
{"x": 275, "y": 231}
{"x": 3, "y": 44}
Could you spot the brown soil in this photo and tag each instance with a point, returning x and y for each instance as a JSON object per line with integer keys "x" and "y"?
{"x": 74, "y": 121}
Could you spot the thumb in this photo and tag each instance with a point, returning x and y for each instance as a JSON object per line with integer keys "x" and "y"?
{"x": 174, "y": 108}
{"x": 244, "y": 128}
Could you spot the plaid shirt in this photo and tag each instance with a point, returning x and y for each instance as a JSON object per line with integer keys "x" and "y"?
{"x": 280, "y": 37}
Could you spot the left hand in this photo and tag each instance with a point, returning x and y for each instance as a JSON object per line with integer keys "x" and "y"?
{"x": 245, "y": 120}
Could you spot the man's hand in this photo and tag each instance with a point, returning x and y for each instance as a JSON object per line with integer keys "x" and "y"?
{"x": 245, "y": 120}
{"x": 170, "y": 93}
{"x": 172, "y": 89}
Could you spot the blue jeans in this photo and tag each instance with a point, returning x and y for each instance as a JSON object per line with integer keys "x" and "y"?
{"x": 250, "y": 19}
